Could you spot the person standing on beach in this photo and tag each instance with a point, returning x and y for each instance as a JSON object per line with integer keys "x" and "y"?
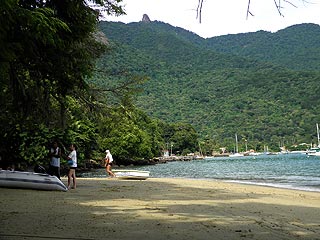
{"x": 54, "y": 166}
{"x": 72, "y": 161}
{"x": 108, "y": 163}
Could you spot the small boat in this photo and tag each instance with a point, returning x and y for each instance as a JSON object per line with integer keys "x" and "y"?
{"x": 236, "y": 155}
{"x": 30, "y": 180}
{"x": 314, "y": 151}
{"x": 131, "y": 174}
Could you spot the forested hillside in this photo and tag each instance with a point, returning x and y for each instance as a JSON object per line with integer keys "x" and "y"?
{"x": 48, "y": 54}
{"x": 224, "y": 85}
{"x": 296, "y": 47}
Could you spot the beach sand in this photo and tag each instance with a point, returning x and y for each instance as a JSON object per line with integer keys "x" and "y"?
{"x": 159, "y": 209}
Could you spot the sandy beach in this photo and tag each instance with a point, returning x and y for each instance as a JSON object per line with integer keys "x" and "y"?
{"x": 159, "y": 209}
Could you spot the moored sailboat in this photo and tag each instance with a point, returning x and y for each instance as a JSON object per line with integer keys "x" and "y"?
{"x": 315, "y": 151}
{"x": 236, "y": 154}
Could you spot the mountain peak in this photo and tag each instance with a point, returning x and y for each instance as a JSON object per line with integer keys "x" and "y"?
{"x": 145, "y": 18}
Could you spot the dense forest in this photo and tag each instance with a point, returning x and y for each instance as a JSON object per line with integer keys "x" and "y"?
{"x": 295, "y": 47}
{"x": 141, "y": 88}
{"x": 48, "y": 55}
{"x": 263, "y": 86}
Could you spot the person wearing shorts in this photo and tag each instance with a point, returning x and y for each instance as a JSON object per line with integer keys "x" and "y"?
{"x": 72, "y": 157}
{"x": 108, "y": 160}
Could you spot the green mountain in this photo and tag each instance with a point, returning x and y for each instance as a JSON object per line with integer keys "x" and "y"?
{"x": 296, "y": 47}
{"x": 225, "y": 85}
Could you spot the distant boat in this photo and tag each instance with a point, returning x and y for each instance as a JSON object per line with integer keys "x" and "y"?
{"x": 199, "y": 157}
{"x": 252, "y": 153}
{"x": 131, "y": 174}
{"x": 315, "y": 151}
{"x": 236, "y": 154}
{"x": 30, "y": 180}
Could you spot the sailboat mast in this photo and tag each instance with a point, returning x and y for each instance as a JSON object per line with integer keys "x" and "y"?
{"x": 318, "y": 135}
{"x": 236, "y": 143}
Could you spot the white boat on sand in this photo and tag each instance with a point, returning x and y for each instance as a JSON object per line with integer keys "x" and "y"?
{"x": 131, "y": 174}
{"x": 30, "y": 180}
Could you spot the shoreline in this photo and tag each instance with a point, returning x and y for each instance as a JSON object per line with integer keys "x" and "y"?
{"x": 244, "y": 182}
{"x": 160, "y": 208}
{"x": 278, "y": 186}
{"x": 288, "y": 171}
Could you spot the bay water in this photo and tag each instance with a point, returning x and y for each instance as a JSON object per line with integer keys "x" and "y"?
{"x": 291, "y": 171}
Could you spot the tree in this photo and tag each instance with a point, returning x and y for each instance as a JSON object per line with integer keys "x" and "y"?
{"x": 47, "y": 51}
{"x": 184, "y": 138}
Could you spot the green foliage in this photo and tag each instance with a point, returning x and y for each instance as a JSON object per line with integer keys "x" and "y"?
{"x": 290, "y": 47}
{"x": 32, "y": 147}
{"x": 184, "y": 139}
{"x": 47, "y": 51}
{"x": 133, "y": 135}
{"x": 220, "y": 94}
{"x": 52, "y": 88}
{"x": 81, "y": 131}
{"x": 29, "y": 143}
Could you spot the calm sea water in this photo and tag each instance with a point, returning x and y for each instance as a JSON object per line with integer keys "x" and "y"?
{"x": 293, "y": 171}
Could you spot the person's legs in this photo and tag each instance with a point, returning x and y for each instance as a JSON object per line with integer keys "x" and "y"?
{"x": 50, "y": 170}
{"x": 109, "y": 170}
{"x": 58, "y": 173}
{"x": 74, "y": 179}
{"x": 69, "y": 177}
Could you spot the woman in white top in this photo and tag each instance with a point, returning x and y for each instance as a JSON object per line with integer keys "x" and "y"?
{"x": 108, "y": 163}
{"x": 72, "y": 157}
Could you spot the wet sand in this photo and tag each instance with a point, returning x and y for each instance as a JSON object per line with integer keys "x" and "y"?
{"x": 160, "y": 209}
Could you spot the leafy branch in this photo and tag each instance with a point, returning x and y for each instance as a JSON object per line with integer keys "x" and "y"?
{"x": 123, "y": 88}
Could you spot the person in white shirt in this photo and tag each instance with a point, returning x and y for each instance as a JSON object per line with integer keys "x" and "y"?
{"x": 108, "y": 160}
{"x": 72, "y": 161}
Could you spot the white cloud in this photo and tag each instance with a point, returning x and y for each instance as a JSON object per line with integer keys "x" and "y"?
{"x": 222, "y": 17}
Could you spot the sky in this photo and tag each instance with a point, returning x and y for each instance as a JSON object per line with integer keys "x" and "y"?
{"x": 222, "y": 17}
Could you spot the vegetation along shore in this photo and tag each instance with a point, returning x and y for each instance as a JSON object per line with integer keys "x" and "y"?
{"x": 147, "y": 89}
